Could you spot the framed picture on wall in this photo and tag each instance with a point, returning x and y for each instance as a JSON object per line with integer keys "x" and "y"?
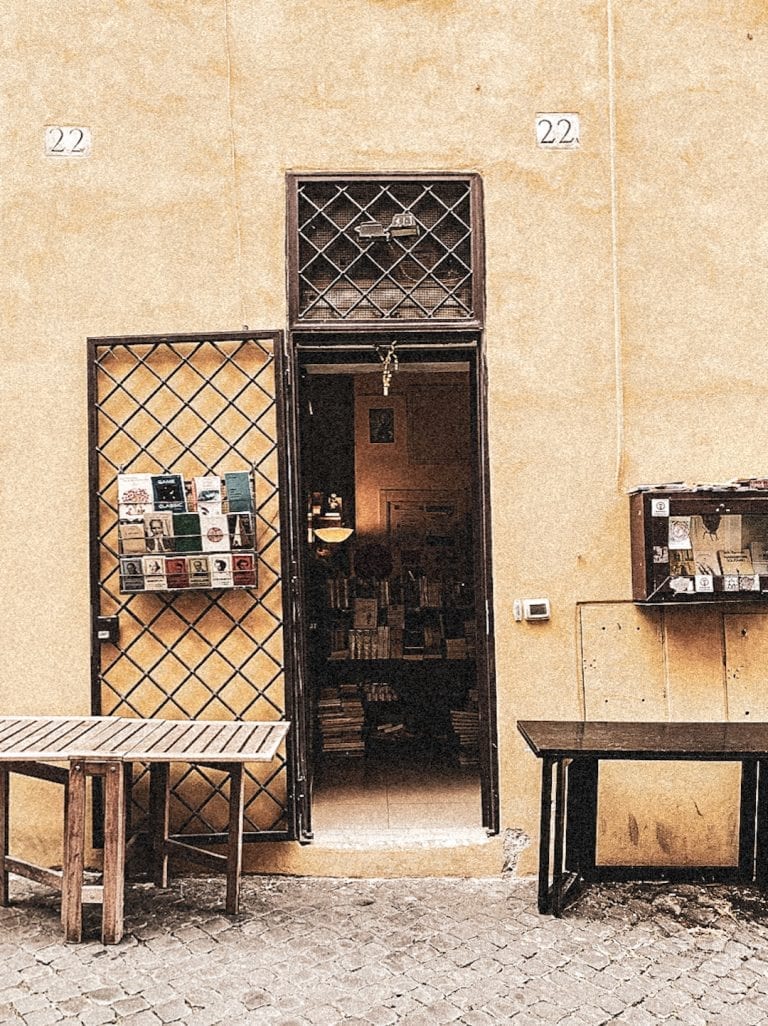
{"x": 381, "y": 425}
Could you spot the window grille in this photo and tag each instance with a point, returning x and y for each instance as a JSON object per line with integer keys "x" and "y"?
{"x": 378, "y": 250}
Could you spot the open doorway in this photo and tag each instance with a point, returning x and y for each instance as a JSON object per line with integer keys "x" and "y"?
{"x": 398, "y": 683}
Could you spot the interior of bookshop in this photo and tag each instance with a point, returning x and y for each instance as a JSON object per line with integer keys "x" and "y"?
{"x": 391, "y": 625}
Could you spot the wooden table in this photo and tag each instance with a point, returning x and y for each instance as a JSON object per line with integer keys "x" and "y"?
{"x": 106, "y": 747}
{"x": 574, "y": 750}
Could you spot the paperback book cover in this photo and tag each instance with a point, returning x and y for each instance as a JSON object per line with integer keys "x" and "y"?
{"x": 366, "y": 613}
{"x": 131, "y": 576}
{"x": 221, "y": 571}
{"x": 176, "y": 572}
{"x": 244, "y": 569}
{"x": 681, "y": 563}
{"x": 240, "y": 530}
{"x": 134, "y": 495}
{"x": 199, "y": 572}
{"x": 759, "y": 553}
{"x": 186, "y": 532}
{"x": 238, "y": 489}
{"x": 168, "y": 492}
{"x": 154, "y": 573}
{"x": 214, "y": 532}
{"x": 207, "y": 494}
{"x": 158, "y": 532}
{"x": 132, "y": 540}
{"x": 736, "y": 561}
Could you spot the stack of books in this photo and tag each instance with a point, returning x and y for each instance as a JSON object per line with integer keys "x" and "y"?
{"x": 341, "y": 719}
{"x": 465, "y": 723}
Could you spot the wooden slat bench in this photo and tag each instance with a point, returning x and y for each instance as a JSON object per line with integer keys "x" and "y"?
{"x": 106, "y": 747}
{"x": 574, "y": 750}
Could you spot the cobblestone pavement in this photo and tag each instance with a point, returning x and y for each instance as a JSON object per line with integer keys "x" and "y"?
{"x": 376, "y": 952}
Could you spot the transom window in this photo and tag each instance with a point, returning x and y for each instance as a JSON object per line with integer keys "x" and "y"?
{"x": 373, "y": 249}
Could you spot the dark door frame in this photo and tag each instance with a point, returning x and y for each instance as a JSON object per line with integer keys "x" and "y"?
{"x": 421, "y": 346}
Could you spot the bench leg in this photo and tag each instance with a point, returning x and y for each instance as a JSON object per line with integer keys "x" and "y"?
{"x": 5, "y": 787}
{"x": 235, "y": 838}
{"x": 114, "y": 854}
{"x": 159, "y": 801}
{"x": 74, "y": 847}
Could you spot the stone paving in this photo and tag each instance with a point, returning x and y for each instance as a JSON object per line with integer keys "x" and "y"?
{"x": 417, "y": 952}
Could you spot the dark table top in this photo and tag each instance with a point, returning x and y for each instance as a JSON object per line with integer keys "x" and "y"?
{"x": 713, "y": 741}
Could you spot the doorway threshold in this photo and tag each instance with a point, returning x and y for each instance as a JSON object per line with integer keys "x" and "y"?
{"x": 400, "y": 839}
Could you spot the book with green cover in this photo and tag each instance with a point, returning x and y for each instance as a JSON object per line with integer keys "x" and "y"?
{"x": 186, "y": 532}
{"x": 238, "y": 491}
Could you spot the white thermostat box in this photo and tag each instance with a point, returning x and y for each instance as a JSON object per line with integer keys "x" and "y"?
{"x": 536, "y": 609}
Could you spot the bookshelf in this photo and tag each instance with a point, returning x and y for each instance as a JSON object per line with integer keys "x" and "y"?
{"x": 395, "y": 665}
{"x": 178, "y": 534}
{"x": 699, "y": 544}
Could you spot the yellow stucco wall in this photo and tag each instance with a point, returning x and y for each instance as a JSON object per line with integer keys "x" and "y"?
{"x": 625, "y": 300}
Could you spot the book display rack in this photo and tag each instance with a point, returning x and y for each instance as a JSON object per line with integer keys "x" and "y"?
{"x": 700, "y": 543}
{"x": 178, "y": 534}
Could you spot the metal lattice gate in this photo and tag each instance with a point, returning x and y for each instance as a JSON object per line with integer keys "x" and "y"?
{"x": 192, "y": 405}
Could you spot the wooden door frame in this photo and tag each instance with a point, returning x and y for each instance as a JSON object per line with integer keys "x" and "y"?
{"x": 331, "y": 349}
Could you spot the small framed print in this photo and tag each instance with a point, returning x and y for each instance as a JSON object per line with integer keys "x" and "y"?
{"x": 381, "y": 425}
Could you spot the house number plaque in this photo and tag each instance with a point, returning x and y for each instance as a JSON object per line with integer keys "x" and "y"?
{"x": 558, "y": 131}
{"x": 67, "y": 141}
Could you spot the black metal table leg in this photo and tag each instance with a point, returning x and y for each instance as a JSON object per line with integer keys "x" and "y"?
{"x": 747, "y": 824}
{"x": 581, "y": 818}
{"x": 558, "y": 871}
{"x": 761, "y": 845}
{"x": 544, "y": 834}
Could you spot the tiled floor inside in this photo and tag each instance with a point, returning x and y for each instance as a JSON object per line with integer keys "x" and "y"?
{"x": 395, "y": 792}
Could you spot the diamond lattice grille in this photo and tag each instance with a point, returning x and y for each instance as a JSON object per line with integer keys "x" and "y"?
{"x": 194, "y": 408}
{"x": 380, "y": 250}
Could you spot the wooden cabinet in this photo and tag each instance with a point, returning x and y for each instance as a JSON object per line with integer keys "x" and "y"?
{"x": 699, "y": 545}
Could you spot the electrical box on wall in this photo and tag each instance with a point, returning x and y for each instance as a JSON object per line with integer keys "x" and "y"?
{"x": 536, "y": 609}
{"x": 531, "y": 609}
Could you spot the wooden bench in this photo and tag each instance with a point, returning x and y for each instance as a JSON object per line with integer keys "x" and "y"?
{"x": 572, "y": 752}
{"x": 106, "y": 747}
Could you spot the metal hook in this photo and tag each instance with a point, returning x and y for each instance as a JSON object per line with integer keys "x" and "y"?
{"x": 389, "y": 358}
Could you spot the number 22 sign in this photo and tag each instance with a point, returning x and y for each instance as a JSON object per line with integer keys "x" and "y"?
{"x": 67, "y": 141}
{"x": 558, "y": 131}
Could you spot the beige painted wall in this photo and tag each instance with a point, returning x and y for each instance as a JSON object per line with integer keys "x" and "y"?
{"x": 626, "y": 304}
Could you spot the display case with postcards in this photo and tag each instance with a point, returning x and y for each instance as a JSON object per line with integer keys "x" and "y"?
{"x": 178, "y": 534}
{"x": 700, "y": 543}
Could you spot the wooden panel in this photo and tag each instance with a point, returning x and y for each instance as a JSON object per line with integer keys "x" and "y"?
{"x": 622, "y": 662}
{"x": 746, "y": 658}
{"x": 695, "y": 671}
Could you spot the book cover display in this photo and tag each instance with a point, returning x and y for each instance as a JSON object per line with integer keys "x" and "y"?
{"x": 700, "y": 543}
{"x": 176, "y": 533}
